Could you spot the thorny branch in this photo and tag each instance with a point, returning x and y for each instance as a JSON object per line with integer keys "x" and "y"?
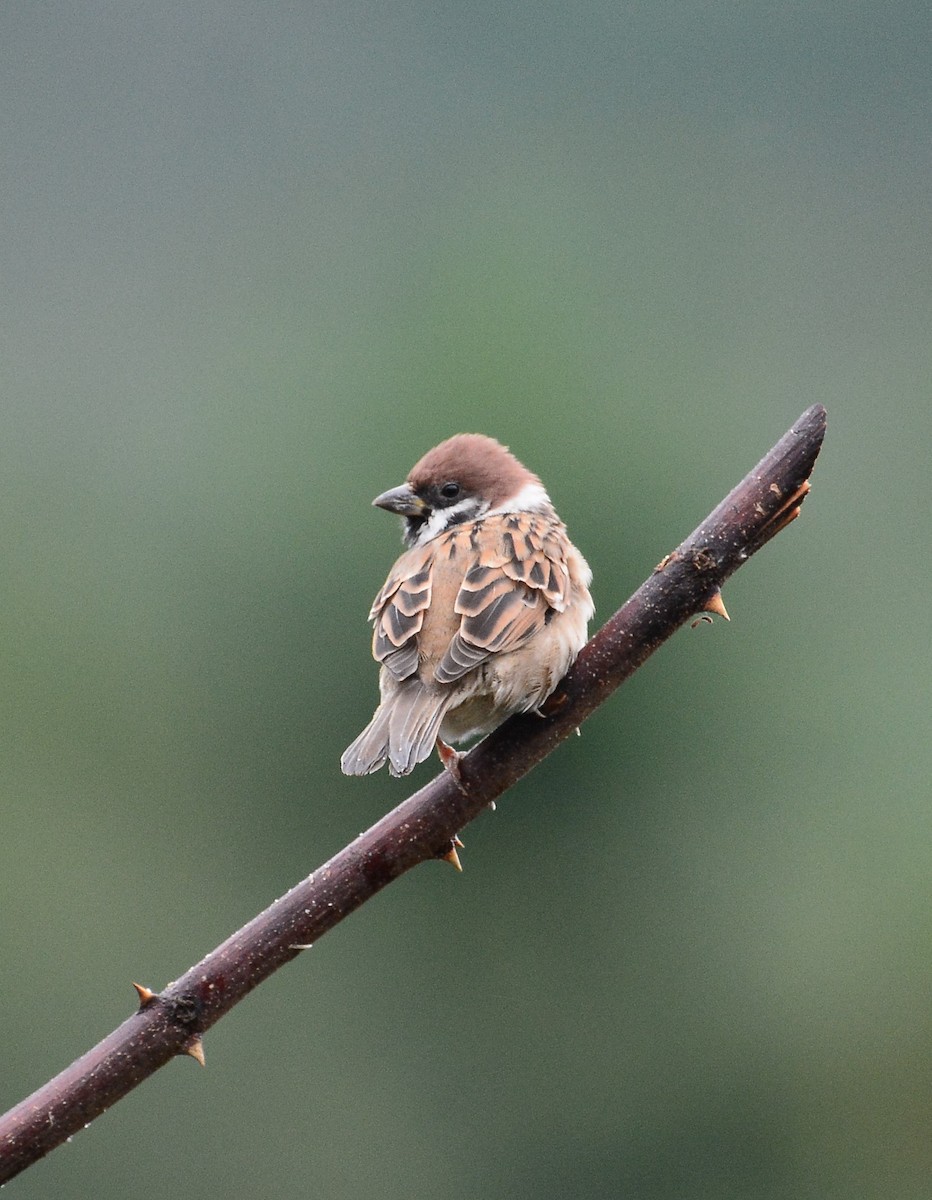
{"x": 424, "y": 826}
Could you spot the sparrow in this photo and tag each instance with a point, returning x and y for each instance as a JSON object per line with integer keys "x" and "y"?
{"x": 481, "y": 616}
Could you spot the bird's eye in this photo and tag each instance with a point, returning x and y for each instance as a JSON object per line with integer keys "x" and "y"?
{"x": 450, "y": 490}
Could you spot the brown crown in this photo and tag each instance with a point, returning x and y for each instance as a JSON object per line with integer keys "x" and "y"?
{"x": 481, "y": 465}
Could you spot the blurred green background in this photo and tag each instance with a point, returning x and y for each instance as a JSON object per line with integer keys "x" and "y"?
{"x": 257, "y": 259}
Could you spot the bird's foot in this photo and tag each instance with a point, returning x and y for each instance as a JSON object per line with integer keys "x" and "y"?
{"x": 451, "y": 761}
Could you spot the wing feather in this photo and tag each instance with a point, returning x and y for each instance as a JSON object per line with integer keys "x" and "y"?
{"x": 398, "y": 612}
{"x": 520, "y": 580}
{"x": 517, "y": 580}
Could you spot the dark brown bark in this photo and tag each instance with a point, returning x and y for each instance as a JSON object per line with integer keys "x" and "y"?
{"x": 423, "y": 826}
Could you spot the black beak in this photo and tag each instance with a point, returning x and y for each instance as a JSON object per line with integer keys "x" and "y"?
{"x": 401, "y": 500}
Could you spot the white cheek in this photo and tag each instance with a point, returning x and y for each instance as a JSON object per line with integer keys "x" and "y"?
{"x": 442, "y": 518}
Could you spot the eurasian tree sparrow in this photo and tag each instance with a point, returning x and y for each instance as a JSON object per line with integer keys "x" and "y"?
{"x": 482, "y": 615}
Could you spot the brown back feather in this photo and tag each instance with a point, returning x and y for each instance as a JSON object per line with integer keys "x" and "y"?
{"x": 509, "y": 590}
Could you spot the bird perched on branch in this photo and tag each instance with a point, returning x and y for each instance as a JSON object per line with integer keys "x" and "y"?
{"x": 481, "y": 616}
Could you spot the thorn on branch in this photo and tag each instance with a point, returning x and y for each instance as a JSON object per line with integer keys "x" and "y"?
{"x": 451, "y": 856}
{"x": 146, "y": 995}
{"x": 195, "y": 1050}
{"x": 787, "y": 512}
{"x": 716, "y": 605}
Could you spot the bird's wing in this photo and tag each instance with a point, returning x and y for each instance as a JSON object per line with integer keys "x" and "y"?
{"x": 517, "y": 581}
{"x": 398, "y": 612}
{"x": 512, "y": 577}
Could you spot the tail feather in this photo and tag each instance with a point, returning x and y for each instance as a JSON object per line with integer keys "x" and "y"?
{"x": 370, "y": 750}
{"x": 402, "y": 731}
